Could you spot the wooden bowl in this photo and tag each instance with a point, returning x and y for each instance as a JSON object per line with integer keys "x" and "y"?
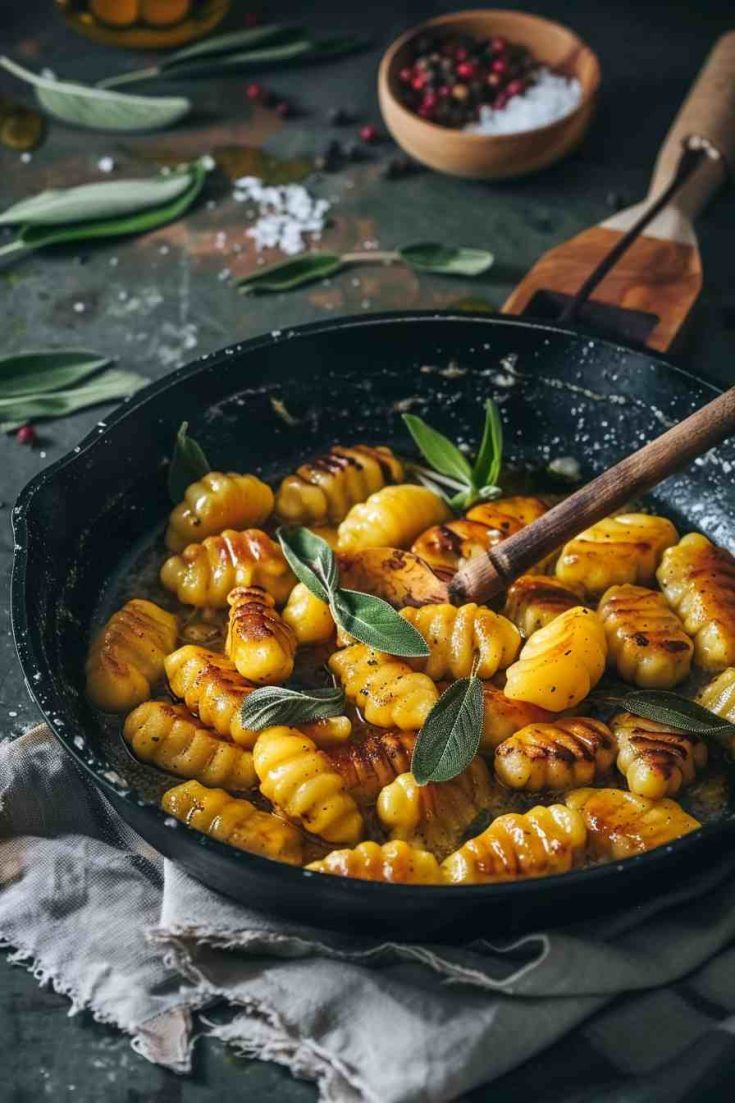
{"x": 492, "y": 157}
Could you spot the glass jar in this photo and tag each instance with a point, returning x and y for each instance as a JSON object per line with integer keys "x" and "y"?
{"x": 144, "y": 24}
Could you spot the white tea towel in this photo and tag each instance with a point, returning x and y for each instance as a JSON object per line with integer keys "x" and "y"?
{"x": 93, "y": 909}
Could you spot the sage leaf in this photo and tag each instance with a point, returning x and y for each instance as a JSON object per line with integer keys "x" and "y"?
{"x": 374, "y": 622}
{"x": 450, "y": 737}
{"x": 311, "y": 559}
{"x": 438, "y": 450}
{"x": 489, "y": 459}
{"x": 292, "y": 273}
{"x": 188, "y": 463}
{"x": 233, "y": 41}
{"x": 445, "y": 260}
{"x": 271, "y": 705}
{"x": 670, "y": 708}
{"x": 90, "y": 202}
{"x": 109, "y": 387}
{"x": 28, "y": 373}
{"x": 97, "y": 108}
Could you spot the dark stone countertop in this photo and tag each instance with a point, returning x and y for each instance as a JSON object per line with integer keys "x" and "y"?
{"x": 158, "y": 301}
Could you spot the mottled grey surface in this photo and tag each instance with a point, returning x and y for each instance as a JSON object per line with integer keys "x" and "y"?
{"x": 160, "y": 301}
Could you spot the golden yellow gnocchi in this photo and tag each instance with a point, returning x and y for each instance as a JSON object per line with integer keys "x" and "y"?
{"x": 537, "y": 843}
{"x": 308, "y": 618}
{"x": 369, "y": 764}
{"x": 434, "y": 816}
{"x": 322, "y": 492}
{"x": 646, "y": 641}
{"x": 620, "y": 824}
{"x": 459, "y": 638}
{"x": 205, "y": 573}
{"x": 698, "y": 581}
{"x": 391, "y": 518}
{"x": 656, "y": 759}
{"x": 719, "y": 695}
{"x": 534, "y": 600}
{"x": 211, "y": 687}
{"x": 448, "y": 547}
{"x": 235, "y": 821}
{"x": 169, "y": 737}
{"x": 570, "y": 752}
{"x": 502, "y": 717}
{"x": 393, "y": 863}
{"x": 261, "y": 645}
{"x": 215, "y": 502}
{"x": 626, "y": 548}
{"x": 560, "y": 663}
{"x": 300, "y": 781}
{"x": 126, "y": 657}
{"x": 387, "y": 691}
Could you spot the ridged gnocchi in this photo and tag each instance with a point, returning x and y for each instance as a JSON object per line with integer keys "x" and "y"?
{"x": 393, "y": 863}
{"x": 369, "y": 764}
{"x": 126, "y": 657}
{"x": 387, "y": 691}
{"x": 655, "y": 759}
{"x": 300, "y": 781}
{"x": 503, "y": 717}
{"x": 308, "y": 618}
{"x": 620, "y": 824}
{"x": 646, "y": 641}
{"x": 169, "y": 737}
{"x": 211, "y": 687}
{"x": 560, "y": 663}
{"x": 434, "y": 816}
{"x": 215, "y": 502}
{"x": 537, "y": 843}
{"x": 626, "y": 548}
{"x": 570, "y": 752}
{"x": 698, "y": 581}
{"x": 391, "y": 518}
{"x": 719, "y": 695}
{"x": 259, "y": 642}
{"x": 534, "y": 600}
{"x": 322, "y": 492}
{"x": 458, "y": 638}
{"x": 235, "y": 821}
{"x": 204, "y": 574}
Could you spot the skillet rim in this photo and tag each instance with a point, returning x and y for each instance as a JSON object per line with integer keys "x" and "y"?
{"x": 292, "y": 876}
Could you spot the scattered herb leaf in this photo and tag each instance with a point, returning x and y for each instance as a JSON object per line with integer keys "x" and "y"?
{"x": 489, "y": 459}
{"x": 450, "y": 737}
{"x": 292, "y": 273}
{"x": 376, "y": 623}
{"x": 92, "y": 202}
{"x": 445, "y": 260}
{"x": 31, "y": 373}
{"x": 112, "y": 385}
{"x": 271, "y": 705}
{"x": 188, "y": 463}
{"x": 311, "y": 559}
{"x": 439, "y": 452}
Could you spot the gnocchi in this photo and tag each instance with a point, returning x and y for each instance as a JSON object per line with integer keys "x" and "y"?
{"x": 462, "y": 640}
{"x": 560, "y": 663}
{"x": 391, "y": 518}
{"x": 698, "y": 581}
{"x": 646, "y": 641}
{"x": 655, "y": 759}
{"x": 371, "y": 763}
{"x": 569, "y": 752}
{"x": 126, "y": 657}
{"x": 215, "y": 502}
{"x": 389, "y": 692}
{"x": 534, "y": 600}
{"x": 626, "y": 548}
{"x": 393, "y": 863}
{"x": 322, "y": 492}
{"x": 205, "y": 573}
{"x": 620, "y": 824}
{"x": 719, "y": 695}
{"x": 259, "y": 642}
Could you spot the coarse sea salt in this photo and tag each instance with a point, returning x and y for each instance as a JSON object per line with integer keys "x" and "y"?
{"x": 551, "y": 97}
{"x": 286, "y": 214}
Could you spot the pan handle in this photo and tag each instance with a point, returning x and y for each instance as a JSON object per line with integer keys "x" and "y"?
{"x": 708, "y": 112}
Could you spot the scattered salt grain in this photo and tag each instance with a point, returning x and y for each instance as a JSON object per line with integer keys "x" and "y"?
{"x": 567, "y": 467}
{"x": 79, "y": 308}
{"x": 549, "y": 98}
{"x": 285, "y": 215}
{"x": 105, "y": 164}
{"x": 26, "y": 158}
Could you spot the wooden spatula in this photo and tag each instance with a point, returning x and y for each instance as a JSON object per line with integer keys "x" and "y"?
{"x": 648, "y": 295}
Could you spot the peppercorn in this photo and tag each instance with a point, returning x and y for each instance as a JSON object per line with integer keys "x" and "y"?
{"x": 26, "y": 435}
{"x": 369, "y": 133}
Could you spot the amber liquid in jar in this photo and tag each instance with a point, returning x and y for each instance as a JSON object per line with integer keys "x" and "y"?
{"x": 144, "y": 24}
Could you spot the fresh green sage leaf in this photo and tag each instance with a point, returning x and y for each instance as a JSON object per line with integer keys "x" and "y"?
{"x": 489, "y": 459}
{"x": 31, "y": 373}
{"x": 188, "y": 463}
{"x": 271, "y": 705}
{"x": 445, "y": 260}
{"x": 110, "y": 386}
{"x": 93, "y": 202}
{"x": 374, "y": 622}
{"x": 450, "y": 737}
{"x": 99, "y": 109}
{"x": 438, "y": 450}
{"x": 291, "y": 273}
{"x": 311, "y": 559}
{"x": 670, "y": 708}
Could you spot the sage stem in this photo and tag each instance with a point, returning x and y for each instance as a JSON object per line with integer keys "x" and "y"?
{"x": 377, "y": 257}
{"x": 13, "y": 247}
{"x": 130, "y": 78}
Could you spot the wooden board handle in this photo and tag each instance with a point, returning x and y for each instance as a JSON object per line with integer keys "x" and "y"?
{"x": 486, "y": 576}
{"x": 708, "y": 111}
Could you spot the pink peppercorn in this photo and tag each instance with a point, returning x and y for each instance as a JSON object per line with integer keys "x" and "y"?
{"x": 369, "y": 133}
{"x": 26, "y": 435}
{"x": 254, "y": 92}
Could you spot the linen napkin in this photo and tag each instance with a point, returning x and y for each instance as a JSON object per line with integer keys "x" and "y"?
{"x": 647, "y": 993}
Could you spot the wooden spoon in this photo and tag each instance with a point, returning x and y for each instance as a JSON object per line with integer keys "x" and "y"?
{"x": 487, "y": 575}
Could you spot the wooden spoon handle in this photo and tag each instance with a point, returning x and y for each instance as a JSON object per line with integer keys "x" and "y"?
{"x": 486, "y": 576}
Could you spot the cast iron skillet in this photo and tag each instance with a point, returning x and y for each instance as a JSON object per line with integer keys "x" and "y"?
{"x": 82, "y": 520}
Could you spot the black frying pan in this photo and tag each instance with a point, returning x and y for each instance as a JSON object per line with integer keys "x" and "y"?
{"x": 82, "y": 521}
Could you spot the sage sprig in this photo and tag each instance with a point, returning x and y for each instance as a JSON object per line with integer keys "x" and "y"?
{"x": 450, "y": 736}
{"x": 271, "y": 705}
{"x": 188, "y": 463}
{"x": 239, "y": 51}
{"x": 449, "y": 467}
{"x": 439, "y": 260}
{"x": 110, "y": 209}
{"x": 97, "y": 109}
{"x": 367, "y": 618}
{"x": 670, "y": 708}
